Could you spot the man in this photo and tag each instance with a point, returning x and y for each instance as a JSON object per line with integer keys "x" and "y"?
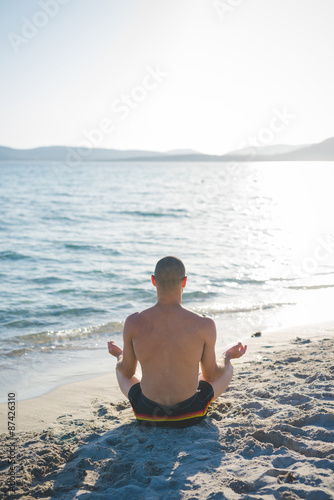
{"x": 170, "y": 342}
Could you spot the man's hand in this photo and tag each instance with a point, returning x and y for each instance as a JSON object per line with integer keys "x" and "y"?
{"x": 114, "y": 350}
{"x": 236, "y": 351}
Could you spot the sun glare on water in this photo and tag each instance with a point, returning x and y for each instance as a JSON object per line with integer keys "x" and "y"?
{"x": 301, "y": 207}
{"x": 302, "y": 203}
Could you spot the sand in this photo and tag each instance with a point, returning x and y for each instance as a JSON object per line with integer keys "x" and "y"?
{"x": 270, "y": 436}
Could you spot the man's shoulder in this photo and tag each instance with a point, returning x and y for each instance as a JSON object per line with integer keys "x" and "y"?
{"x": 136, "y": 318}
{"x": 208, "y": 324}
{"x": 132, "y": 318}
{"x": 208, "y": 321}
{"x": 200, "y": 317}
{"x": 203, "y": 322}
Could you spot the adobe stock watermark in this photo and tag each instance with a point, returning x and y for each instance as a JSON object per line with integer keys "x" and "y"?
{"x": 120, "y": 110}
{"x": 225, "y": 7}
{"x": 31, "y": 27}
{"x": 277, "y": 123}
{"x": 323, "y": 249}
{"x": 280, "y": 119}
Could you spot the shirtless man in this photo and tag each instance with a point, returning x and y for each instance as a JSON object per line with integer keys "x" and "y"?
{"x": 170, "y": 342}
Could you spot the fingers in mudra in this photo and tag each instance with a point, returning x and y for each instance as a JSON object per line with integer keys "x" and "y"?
{"x": 236, "y": 351}
{"x": 113, "y": 349}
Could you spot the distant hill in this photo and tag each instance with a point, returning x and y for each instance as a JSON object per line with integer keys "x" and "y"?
{"x": 275, "y": 149}
{"x": 61, "y": 153}
{"x": 324, "y": 151}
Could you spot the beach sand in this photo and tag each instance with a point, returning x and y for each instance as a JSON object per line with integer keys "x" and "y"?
{"x": 270, "y": 436}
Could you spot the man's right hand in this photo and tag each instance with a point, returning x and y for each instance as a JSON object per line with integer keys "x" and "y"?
{"x": 236, "y": 351}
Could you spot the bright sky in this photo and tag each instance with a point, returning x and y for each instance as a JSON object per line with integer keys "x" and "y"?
{"x": 168, "y": 74}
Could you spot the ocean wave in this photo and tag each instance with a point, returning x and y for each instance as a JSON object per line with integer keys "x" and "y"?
{"x": 22, "y": 323}
{"x": 324, "y": 273}
{"x": 10, "y": 255}
{"x": 217, "y": 309}
{"x": 245, "y": 281}
{"x": 309, "y": 287}
{"x": 91, "y": 248}
{"x": 69, "y": 346}
{"x": 38, "y": 314}
{"x": 200, "y": 294}
{"x": 13, "y": 312}
{"x": 95, "y": 294}
{"x": 16, "y": 353}
{"x": 97, "y": 272}
{"x": 220, "y": 284}
{"x": 47, "y": 280}
{"x": 74, "y": 311}
{"x": 58, "y": 218}
{"x": 59, "y": 340}
{"x": 141, "y": 213}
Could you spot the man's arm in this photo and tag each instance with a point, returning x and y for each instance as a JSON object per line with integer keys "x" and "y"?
{"x": 211, "y": 370}
{"x": 126, "y": 359}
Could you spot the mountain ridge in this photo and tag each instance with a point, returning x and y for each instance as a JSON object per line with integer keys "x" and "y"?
{"x": 323, "y": 151}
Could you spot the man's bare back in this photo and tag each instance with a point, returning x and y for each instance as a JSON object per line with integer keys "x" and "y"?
{"x": 171, "y": 344}
{"x": 168, "y": 341}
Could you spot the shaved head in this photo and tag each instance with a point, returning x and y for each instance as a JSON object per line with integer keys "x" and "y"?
{"x": 169, "y": 272}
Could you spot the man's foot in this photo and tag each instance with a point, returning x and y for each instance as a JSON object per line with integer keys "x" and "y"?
{"x": 236, "y": 351}
{"x": 114, "y": 350}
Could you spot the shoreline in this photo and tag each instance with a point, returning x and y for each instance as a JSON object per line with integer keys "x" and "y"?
{"x": 42, "y": 411}
{"x": 270, "y": 435}
{"x": 32, "y": 384}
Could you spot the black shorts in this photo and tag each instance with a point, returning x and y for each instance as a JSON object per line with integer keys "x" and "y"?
{"x": 188, "y": 412}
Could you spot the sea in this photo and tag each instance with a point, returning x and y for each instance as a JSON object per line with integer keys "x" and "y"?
{"x": 78, "y": 244}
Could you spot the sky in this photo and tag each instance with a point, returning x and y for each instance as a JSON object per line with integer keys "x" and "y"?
{"x": 208, "y": 75}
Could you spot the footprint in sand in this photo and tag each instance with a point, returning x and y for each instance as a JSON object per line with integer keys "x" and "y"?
{"x": 325, "y": 420}
{"x": 294, "y": 399}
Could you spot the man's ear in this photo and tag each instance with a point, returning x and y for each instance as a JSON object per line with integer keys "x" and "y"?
{"x": 153, "y": 280}
{"x": 184, "y": 281}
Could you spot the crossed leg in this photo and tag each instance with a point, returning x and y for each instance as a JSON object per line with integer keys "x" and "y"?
{"x": 125, "y": 384}
{"x": 221, "y": 383}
